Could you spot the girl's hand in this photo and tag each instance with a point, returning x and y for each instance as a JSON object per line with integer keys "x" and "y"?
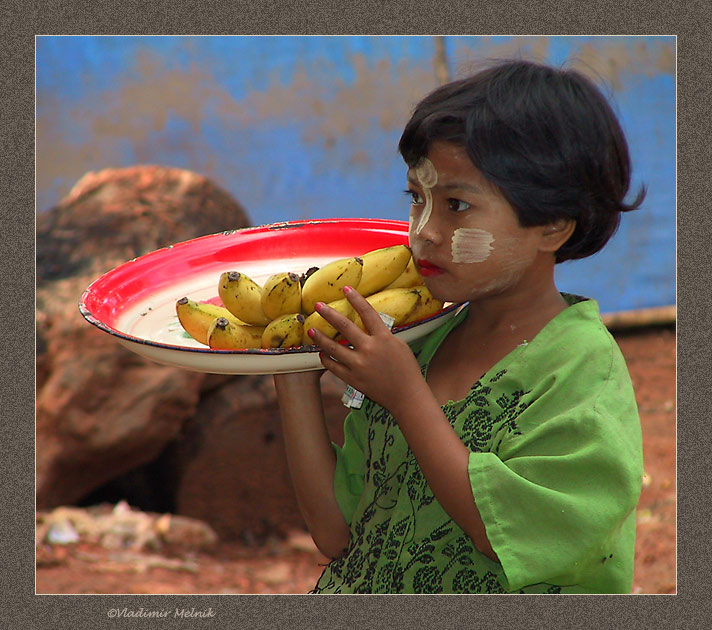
{"x": 379, "y": 364}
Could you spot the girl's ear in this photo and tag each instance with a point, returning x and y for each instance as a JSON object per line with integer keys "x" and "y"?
{"x": 554, "y": 235}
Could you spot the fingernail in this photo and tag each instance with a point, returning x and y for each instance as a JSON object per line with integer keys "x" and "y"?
{"x": 318, "y": 306}
{"x": 348, "y": 289}
{"x": 311, "y": 332}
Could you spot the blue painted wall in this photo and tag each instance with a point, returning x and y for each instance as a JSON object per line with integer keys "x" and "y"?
{"x": 307, "y": 127}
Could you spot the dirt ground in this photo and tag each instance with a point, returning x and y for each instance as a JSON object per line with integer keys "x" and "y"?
{"x": 292, "y": 564}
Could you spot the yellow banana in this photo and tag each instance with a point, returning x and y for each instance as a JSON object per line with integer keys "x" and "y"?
{"x": 284, "y": 332}
{"x": 381, "y": 267}
{"x": 327, "y": 284}
{"x": 281, "y": 295}
{"x": 398, "y": 303}
{"x": 409, "y": 278}
{"x": 242, "y": 296}
{"x": 427, "y": 306}
{"x": 196, "y": 317}
{"x": 317, "y": 322}
{"x": 224, "y": 335}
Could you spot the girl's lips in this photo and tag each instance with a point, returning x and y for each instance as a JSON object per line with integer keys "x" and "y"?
{"x": 426, "y": 268}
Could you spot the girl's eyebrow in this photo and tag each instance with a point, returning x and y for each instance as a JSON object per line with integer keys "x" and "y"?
{"x": 473, "y": 188}
{"x": 451, "y": 186}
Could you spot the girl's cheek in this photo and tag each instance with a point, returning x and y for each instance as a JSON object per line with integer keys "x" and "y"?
{"x": 471, "y": 245}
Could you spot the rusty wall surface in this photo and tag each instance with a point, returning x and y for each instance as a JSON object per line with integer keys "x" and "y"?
{"x": 307, "y": 127}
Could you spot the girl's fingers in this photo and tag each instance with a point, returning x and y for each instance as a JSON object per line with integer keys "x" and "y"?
{"x": 332, "y": 348}
{"x": 333, "y": 366}
{"x": 334, "y": 356}
{"x": 370, "y": 318}
{"x": 342, "y": 323}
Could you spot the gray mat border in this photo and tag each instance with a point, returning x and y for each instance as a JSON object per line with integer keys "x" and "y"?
{"x": 22, "y": 608}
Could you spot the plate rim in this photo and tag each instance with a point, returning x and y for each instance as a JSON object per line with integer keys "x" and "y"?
{"x": 264, "y": 352}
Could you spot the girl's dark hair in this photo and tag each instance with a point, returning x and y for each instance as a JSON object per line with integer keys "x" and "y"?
{"x": 547, "y": 138}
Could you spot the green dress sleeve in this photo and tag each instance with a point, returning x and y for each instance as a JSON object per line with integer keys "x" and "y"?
{"x": 558, "y": 495}
{"x": 350, "y": 464}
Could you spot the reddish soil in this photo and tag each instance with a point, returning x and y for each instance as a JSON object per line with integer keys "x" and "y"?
{"x": 292, "y": 565}
{"x": 651, "y": 357}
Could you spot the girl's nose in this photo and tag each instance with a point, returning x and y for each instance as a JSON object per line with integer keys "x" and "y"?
{"x": 429, "y": 228}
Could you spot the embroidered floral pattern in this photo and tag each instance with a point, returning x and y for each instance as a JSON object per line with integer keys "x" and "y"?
{"x": 388, "y": 552}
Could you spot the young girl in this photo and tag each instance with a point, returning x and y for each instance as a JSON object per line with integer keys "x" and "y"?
{"x": 501, "y": 454}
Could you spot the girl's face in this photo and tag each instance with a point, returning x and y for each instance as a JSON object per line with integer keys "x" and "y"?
{"x": 465, "y": 237}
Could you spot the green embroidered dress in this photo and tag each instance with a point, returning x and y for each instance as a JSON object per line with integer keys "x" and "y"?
{"x": 555, "y": 468}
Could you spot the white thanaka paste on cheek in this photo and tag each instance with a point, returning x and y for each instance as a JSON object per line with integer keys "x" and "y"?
{"x": 471, "y": 245}
{"x": 427, "y": 177}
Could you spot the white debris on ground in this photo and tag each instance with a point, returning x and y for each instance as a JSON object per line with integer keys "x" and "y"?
{"x": 121, "y": 528}
{"x": 103, "y": 541}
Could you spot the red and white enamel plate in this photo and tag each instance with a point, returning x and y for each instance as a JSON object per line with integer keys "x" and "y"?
{"x": 135, "y": 302}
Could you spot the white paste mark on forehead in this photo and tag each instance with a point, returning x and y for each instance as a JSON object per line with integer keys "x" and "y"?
{"x": 425, "y": 173}
{"x": 471, "y": 245}
{"x": 427, "y": 177}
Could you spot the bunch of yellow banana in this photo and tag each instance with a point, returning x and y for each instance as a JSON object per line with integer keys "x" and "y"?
{"x": 196, "y": 317}
{"x": 242, "y": 296}
{"x": 384, "y": 266}
{"x": 226, "y": 335}
{"x": 327, "y": 284}
{"x": 281, "y": 295}
{"x": 404, "y": 304}
{"x": 317, "y": 322}
{"x": 279, "y": 313}
{"x": 284, "y": 332}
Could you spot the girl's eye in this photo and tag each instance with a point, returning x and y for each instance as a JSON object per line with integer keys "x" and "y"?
{"x": 415, "y": 198}
{"x": 457, "y": 206}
